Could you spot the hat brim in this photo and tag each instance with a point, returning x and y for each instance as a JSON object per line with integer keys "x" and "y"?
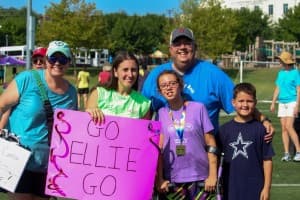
{"x": 288, "y": 62}
{"x": 51, "y": 52}
{"x": 37, "y": 54}
{"x": 180, "y": 36}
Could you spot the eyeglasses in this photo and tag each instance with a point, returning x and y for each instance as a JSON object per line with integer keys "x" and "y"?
{"x": 61, "y": 60}
{"x": 38, "y": 60}
{"x": 171, "y": 84}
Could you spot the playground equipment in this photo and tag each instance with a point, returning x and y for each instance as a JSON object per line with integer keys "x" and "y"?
{"x": 270, "y": 49}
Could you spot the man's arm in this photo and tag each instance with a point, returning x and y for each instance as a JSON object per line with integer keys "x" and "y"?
{"x": 267, "y": 124}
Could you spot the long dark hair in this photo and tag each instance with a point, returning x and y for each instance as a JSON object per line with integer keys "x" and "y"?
{"x": 120, "y": 57}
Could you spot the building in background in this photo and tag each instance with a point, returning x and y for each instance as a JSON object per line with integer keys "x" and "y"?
{"x": 91, "y": 57}
{"x": 274, "y": 8}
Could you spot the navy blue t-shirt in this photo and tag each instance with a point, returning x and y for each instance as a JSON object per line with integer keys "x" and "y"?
{"x": 244, "y": 151}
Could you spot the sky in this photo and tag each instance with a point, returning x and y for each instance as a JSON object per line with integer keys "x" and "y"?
{"x": 140, "y": 7}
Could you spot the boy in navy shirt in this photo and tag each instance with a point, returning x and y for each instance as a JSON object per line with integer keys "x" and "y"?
{"x": 247, "y": 172}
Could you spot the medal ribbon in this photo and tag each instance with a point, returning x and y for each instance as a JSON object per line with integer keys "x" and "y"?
{"x": 179, "y": 127}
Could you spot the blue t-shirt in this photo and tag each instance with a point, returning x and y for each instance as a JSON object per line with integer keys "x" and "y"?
{"x": 244, "y": 152}
{"x": 204, "y": 83}
{"x": 287, "y": 81}
{"x": 28, "y": 118}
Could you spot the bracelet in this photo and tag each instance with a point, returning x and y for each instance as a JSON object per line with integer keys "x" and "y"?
{"x": 212, "y": 149}
{"x": 266, "y": 119}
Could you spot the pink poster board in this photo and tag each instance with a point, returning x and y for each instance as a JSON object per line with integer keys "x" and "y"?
{"x": 115, "y": 160}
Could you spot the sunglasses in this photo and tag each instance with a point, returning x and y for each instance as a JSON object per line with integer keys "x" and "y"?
{"x": 38, "y": 60}
{"x": 61, "y": 60}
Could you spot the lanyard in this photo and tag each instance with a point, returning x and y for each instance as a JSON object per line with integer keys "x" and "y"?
{"x": 179, "y": 127}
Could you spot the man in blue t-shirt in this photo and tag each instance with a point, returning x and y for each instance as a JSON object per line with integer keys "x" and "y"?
{"x": 204, "y": 82}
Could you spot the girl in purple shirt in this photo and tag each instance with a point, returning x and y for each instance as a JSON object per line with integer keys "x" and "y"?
{"x": 186, "y": 132}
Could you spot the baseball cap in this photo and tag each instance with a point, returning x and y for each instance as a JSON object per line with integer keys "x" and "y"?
{"x": 59, "y": 46}
{"x": 181, "y": 32}
{"x": 40, "y": 51}
{"x": 286, "y": 58}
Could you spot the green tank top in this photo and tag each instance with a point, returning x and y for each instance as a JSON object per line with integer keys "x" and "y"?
{"x": 133, "y": 105}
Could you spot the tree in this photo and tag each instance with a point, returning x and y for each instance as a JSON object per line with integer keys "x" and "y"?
{"x": 213, "y": 27}
{"x": 139, "y": 34}
{"x": 13, "y": 26}
{"x": 73, "y": 21}
{"x": 251, "y": 24}
{"x": 289, "y": 26}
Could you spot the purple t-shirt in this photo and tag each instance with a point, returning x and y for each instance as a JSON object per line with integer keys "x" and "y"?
{"x": 193, "y": 166}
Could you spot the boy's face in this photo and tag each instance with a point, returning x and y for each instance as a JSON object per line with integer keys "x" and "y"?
{"x": 244, "y": 105}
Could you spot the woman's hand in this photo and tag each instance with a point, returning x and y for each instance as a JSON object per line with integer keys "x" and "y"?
{"x": 272, "y": 107}
{"x": 96, "y": 114}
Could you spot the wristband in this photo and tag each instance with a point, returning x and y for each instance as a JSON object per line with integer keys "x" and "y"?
{"x": 212, "y": 149}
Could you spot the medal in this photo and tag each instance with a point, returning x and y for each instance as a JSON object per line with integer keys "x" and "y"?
{"x": 180, "y": 150}
{"x": 179, "y": 127}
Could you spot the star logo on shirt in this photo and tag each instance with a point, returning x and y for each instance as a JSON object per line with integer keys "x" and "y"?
{"x": 240, "y": 147}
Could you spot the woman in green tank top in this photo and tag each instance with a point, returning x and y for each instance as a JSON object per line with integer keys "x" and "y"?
{"x": 120, "y": 96}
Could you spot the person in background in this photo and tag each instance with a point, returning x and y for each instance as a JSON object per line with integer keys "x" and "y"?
{"x": 23, "y": 98}
{"x": 83, "y": 79}
{"x": 143, "y": 73}
{"x": 119, "y": 97}
{"x": 1, "y": 75}
{"x": 204, "y": 82}
{"x": 110, "y": 59}
{"x": 186, "y": 134}
{"x": 39, "y": 58}
{"x": 104, "y": 76}
{"x": 247, "y": 168}
{"x": 287, "y": 92}
{"x": 14, "y": 71}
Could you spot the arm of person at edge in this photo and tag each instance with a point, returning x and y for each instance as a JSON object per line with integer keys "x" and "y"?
{"x": 267, "y": 124}
{"x": 267, "y": 166}
{"x": 211, "y": 181}
{"x": 8, "y": 98}
{"x": 4, "y": 119}
{"x": 160, "y": 182}
{"x": 296, "y": 110}
{"x": 96, "y": 113}
{"x": 275, "y": 95}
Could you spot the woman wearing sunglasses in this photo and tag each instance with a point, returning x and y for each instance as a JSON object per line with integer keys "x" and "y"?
{"x": 39, "y": 58}
{"x": 28, "y": 117}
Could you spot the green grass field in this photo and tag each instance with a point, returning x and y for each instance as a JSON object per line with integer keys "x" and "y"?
{"x": 286, "y": 175}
